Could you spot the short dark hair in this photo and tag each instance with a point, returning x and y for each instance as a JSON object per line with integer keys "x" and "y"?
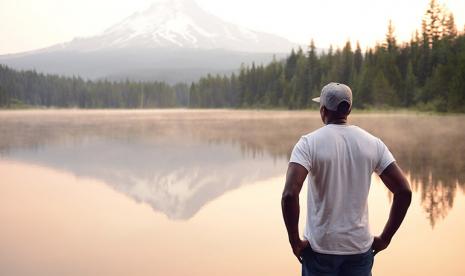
{"x": 343, "y": 109}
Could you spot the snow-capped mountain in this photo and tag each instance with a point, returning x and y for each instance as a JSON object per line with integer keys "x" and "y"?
{"x": 180, "y": 24}
{"x": 173, "y": 40}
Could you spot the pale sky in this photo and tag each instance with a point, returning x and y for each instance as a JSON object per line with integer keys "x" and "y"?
{"x": 32, "y": 24}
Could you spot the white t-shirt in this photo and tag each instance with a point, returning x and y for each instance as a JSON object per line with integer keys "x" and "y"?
{"x": 340, "y": 160}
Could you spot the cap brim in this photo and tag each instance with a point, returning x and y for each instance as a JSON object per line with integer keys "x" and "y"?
{"x": 317, "y": 99}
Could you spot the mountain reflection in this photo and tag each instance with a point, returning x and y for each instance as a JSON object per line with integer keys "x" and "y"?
{"x": 177, "y": 161}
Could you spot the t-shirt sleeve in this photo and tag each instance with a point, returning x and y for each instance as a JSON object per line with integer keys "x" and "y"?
{"x": 385, "y": 157}
{"x": 301, "y": 155}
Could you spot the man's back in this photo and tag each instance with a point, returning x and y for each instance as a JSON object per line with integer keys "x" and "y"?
{"x": 340, "y": 160}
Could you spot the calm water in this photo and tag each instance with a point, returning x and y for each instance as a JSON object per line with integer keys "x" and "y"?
{"x": 178, "y": 192}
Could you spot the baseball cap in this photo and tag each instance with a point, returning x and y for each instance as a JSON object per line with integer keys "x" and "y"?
{"x": 333, "y": 94}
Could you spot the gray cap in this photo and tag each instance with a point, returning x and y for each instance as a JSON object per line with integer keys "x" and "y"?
{"x": 333, "y": 94}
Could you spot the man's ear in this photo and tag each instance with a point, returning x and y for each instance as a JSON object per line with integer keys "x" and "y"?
{"x": 323, "y": 113}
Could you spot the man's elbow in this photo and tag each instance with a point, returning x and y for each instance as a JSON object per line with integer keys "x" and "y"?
{"x": 405, "y": 195}
{"x": 289, "y": 196}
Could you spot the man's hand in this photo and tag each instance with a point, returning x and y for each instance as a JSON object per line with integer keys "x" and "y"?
{"x": 298, "y": 247}
{"x": 379, "y": 244}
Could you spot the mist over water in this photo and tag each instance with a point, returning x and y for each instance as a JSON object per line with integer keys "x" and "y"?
{"x": 152, "y": 147}
{"x": 182, "y": 162}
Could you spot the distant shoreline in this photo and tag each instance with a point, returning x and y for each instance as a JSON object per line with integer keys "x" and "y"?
{"x": 374, "y": 111}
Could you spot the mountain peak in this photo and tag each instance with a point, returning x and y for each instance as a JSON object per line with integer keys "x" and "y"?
{"x": 178, "y": 4}
{"x": 180, "y": 24}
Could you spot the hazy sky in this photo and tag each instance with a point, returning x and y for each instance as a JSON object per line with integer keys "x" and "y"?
{"x": 31, "y": 24}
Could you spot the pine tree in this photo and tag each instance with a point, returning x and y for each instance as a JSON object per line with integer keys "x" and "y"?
{"x": 314, "y": 71}
{"x": 410, "y": 86}
{"x": 450, "y": 30}
{"x": 291, "y": 64}
{"x": 358, "y": 59}
{"x": 383, "y": 93}
{"x": 432, "y": 23}
{"x": 300, "y": 83}
{"x": 3, "y": 97}
{"x": 347, "y": 64}
{"x": 193, "y": 96}
{"x": 363, "y": 94}
{"x": 391, "y": 43}
{"x": 456, "y": 96}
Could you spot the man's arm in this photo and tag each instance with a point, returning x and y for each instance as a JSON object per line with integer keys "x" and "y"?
{"x": 395, "y": 181}
{"x": 295, "y": 177}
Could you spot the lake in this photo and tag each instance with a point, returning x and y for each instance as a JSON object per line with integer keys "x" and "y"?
{"x": 197, "y": 192}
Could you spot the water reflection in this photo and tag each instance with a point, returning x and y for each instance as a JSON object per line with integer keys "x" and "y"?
{"x": 177, "y": 160}
{"x": 174, "y": 179}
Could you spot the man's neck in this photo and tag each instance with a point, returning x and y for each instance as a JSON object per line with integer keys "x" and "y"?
{"x": 337, "y": 122}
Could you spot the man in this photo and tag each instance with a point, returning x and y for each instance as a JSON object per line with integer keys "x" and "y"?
{"x": 339, "y": 160}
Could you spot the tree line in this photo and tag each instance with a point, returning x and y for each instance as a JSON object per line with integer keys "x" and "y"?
{"x": 428, "y": 72}
{"x": 37, "y": 89}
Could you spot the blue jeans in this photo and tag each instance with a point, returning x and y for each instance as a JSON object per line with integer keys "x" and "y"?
{"x": 318, "y": 264}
